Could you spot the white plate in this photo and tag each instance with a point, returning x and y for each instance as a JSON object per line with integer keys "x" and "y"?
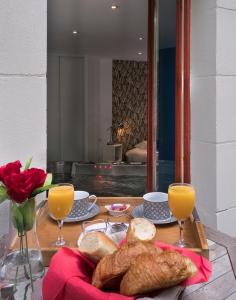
{"x": 116, "y": 237}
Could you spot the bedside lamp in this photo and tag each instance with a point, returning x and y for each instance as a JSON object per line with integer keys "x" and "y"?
{"x": 120, "y": 129}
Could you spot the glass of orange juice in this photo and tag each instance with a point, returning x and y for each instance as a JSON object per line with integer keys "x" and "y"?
{"x": 181, "y": 200}
{"x": 60, "y": 203}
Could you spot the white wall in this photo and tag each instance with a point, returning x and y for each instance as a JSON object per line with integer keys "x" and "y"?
{"x": 86, "y": 83}
{"x": 225, "y": 115}
{"x": 65, "y": 103}
{"x": 203, "y": 107}
{"x": 53, "y": 108}
{"x": 213, "y": 106}
{"x": 99, "y": 106}
{"x": 23, "y": 37}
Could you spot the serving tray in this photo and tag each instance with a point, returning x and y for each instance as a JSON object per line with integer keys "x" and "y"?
{"x": 47, "y": 228}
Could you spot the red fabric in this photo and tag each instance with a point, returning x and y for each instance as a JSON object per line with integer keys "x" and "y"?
{"x": 69, "y": 276}
{"x": 203, "y": 265}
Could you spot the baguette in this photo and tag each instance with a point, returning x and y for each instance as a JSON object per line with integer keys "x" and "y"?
{"x": 141, "y": 229}
{"x": 95, "y": 245}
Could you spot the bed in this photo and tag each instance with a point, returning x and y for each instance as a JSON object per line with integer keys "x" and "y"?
{"x": 138, "y": 153}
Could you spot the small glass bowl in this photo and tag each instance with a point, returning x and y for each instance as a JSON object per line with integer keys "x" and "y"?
{"x": 98, "y": 225}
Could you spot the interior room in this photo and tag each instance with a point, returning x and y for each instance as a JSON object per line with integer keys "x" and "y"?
{"x": 97, "y": 95}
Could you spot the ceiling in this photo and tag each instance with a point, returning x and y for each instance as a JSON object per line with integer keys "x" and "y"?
{"x": 105, "y": 32}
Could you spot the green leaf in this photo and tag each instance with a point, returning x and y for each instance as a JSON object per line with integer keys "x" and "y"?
{"x": 17, "y": 219}
{"x": 28, "y": 163}
{"x": 42, "y": 189}
{"x": 48, "y": 179}
{"x": 28, "y": 213}
{"x": 3, "y": 194}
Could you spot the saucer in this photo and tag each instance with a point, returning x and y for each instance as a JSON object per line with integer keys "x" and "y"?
{"x": 95, "y": 210}
{"x": 138, "y": 213}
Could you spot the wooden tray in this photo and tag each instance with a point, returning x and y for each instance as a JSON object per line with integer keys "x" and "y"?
{"x": 47, "y": 229}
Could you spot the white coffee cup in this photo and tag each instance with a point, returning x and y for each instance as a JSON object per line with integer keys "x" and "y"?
{"x": 155, "y": 206}
{"x": 82, "y": 205}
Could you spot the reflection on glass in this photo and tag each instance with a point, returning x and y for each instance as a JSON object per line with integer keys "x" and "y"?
{"x": 165, "y": 137}
{"x": 97, "y": 85}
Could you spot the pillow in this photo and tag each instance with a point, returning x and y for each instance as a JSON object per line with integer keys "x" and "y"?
{"x": 142, "y": 145}
{"x": 136, "y": 155}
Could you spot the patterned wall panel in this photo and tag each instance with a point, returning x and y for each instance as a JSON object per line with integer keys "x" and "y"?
{"x": 129, "y": 102}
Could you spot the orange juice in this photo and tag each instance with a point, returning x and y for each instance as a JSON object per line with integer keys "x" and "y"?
{"x": 60, "y": 201}
{"x": 181, "y": 200}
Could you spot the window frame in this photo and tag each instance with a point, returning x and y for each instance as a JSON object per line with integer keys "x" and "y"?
{"x": 182, "y": 92}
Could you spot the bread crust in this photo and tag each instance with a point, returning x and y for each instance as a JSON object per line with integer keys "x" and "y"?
{"x": 111, "y": 268}
{"x": 133, "y": 233}
{"x": 104, "y": 246}
{"x": 155, "y": 271}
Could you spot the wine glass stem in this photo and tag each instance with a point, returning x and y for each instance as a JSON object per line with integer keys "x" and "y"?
{"x": 181, "y": 231}
{"x": 60, "y": 236}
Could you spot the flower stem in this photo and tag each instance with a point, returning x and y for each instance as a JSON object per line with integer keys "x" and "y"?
{"x": 17, "y": 268}
{"x": 27, "y": 255}
{"x": 22, "y": 252}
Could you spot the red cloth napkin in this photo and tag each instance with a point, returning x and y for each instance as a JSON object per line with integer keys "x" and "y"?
{"x": 70, "y": 273}
{"x": 69, "y": 277}
{"x": 203, "y": 265}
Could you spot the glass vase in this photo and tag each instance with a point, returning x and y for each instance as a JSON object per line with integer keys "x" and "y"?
{"x": 23, "y": 262}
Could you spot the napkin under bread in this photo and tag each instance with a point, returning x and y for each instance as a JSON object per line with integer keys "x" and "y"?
{"x": 172, "y": 293}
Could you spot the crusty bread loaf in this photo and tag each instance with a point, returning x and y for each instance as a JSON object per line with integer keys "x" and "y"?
{"x": 95, "y": 245}
{"x": 111, "y": 268}
{"x": 141, "y": 229}
{"x": 150, "y": 272}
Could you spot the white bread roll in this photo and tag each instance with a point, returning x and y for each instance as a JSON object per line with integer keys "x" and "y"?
{"x": 141, "y": 229}
{"x": 95, "y": 245}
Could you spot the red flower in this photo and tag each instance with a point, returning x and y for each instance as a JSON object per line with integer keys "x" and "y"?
{"x": 20, "y": 186}
{"x": 9, "y": 169}
{"x": 37, "y": 176}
